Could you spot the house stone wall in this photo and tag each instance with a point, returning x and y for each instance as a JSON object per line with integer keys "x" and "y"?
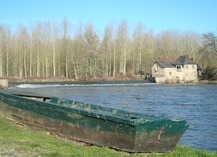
{"x": 187, "y": 73}
{"x": 157, "y": 71}
{"x": 190, "y": 73}
{"x": 170, "y": 75}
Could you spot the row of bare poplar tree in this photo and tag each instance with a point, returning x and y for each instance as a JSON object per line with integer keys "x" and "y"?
{"x": 49, "y": 49}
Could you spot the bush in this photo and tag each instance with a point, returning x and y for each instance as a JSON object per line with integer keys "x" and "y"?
{"x": 210, "y": 73}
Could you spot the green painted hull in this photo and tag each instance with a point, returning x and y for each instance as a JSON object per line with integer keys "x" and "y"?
{"x": 102, "y": 126}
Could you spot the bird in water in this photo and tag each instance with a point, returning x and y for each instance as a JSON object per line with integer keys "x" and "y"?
{"x": 137, "y": 97}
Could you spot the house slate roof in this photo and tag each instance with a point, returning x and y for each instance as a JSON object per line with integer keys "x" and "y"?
{"x": 182, "y": 60}
{"x": 166, "y": 64}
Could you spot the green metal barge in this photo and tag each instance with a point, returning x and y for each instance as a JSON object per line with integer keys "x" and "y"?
{"x": 93, "y": 124}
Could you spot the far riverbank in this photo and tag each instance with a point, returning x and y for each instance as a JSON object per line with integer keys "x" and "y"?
{"x": 25, "y": 80}
{"x": 13, "y": 79}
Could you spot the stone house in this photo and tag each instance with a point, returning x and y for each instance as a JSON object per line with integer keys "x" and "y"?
{"x": 183, "y": 70}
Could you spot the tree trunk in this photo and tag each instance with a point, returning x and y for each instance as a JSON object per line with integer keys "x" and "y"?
{"x": 37, "y": 62}
{"x": 1, "y": 61}
{"x": 54, "y": 59}
{"x": 114, "y": 60}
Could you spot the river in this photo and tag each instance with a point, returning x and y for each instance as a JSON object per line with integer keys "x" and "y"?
{"x": 194, "y": 102}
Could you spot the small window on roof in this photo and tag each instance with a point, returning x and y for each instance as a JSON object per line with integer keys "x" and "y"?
{"x": 179, "y": 68}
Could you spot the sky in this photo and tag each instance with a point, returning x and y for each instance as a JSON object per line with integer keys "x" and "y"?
{"x": 158, "y": 15}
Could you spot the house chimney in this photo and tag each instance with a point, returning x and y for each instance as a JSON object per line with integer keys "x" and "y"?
{"x": 190, "y": 57}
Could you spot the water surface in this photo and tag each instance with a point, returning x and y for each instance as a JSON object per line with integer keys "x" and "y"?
{"x": 194, "y": 102}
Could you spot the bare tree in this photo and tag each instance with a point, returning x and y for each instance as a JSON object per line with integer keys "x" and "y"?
{"x": 21, "y": 49}
{"x": 209, "y": 43}
{"x": 36, "y": 49}
{"x": 1, "y": 49}
{"x": 123, "y": 45}
{"x": 66, "y": 36}
{"x": 167, "y": 48}
{"x": 54, "y": 34}
{"x": 47, "y": 46}
{"x": 106, "y": 49}
{"x": 114, "y": 59}
{"x": 91, "y": 42}
{"x": 138, "y": 45}
{"x": 208, "y": 50}
{"x": 78, "y": 57}
{"x": 48, "y": 49}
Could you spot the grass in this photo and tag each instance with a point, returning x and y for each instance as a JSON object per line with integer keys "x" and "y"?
{"x": 31, "y": 142}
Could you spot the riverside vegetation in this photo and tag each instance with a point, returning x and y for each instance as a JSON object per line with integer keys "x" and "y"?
{"x": 18, "y": 140}
{"x": 49, "y": 49}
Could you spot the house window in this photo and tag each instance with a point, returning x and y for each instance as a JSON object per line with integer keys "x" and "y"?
{"x": 186, "y": 66}
{"x": 192, "y": 66}
{"x": 170, "y": 73}
{"x": 179, "y": 68}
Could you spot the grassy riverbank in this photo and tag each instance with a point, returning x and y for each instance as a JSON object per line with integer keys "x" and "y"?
{"x": 18, "y": 140}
